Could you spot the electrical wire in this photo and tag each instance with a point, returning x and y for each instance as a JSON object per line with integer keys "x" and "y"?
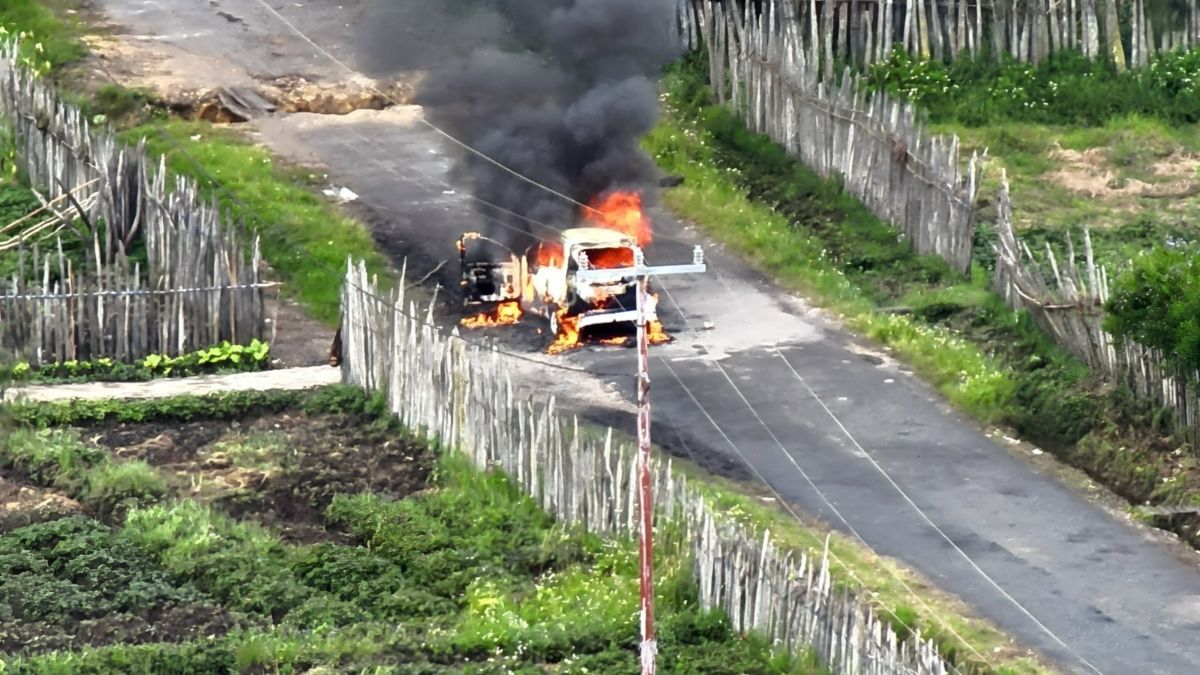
{"x": 563, "y": 196}
{"x": 837, "y": 513}
{"x": 248, "y": 211}
{"x": 445, "y": 134}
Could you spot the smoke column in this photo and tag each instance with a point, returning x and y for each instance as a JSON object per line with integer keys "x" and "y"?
{"x": 558, "y": 90}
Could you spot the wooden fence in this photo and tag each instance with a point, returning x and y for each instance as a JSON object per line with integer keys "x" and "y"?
{"x": 1068, "y": 304}
{"x": 862, "y": 32}
{"x": 155, "y": 268}
{"x": 462, "y": 396}
{"x": 876, "y": 144}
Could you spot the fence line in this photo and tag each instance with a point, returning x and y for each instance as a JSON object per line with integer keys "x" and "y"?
{"x": 142, "y": 238}
{"x": 862, "y": 32}
{"x": 875, "y": 143}
{"x": 1068, "y": 304}
{"x": 462, "y": 396}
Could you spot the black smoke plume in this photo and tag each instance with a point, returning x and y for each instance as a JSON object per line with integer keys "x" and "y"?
{"x": 560, "y": 91}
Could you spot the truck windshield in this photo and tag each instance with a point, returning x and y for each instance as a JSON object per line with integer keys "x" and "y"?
{"x": 609, "y": 258}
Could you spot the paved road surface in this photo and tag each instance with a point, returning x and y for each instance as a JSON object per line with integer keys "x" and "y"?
{"x": 1117, "y": 599}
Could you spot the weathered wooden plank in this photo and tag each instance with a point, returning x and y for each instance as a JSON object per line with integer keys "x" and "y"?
{"x": 198, "y": 273}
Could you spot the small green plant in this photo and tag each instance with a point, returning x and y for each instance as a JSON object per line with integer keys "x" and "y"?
{"x": 220, "y": 358}
{"x": 1157, "y": 303}
{"x": 256, "y": 450}
{"x": 1066, "y": 88}
{"x": 120, "y": 485}
{"x": 226, "y": 405}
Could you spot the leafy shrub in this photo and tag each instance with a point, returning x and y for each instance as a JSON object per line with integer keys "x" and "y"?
{"x": 367, "y": 580}
{"x": 221, "y": 358}
{"x": 1157, "y": 303}
{"x": 240, "y": 564}
{"x": 76, "y": 568}
{"x": 226, "y": 405}
{"x": 1066, "y": 88}
{"x": 54, "y": 457}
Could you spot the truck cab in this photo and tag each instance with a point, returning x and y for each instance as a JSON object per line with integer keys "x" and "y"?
{"x": 545, "y": 280}
{"x": 603, "y": 300}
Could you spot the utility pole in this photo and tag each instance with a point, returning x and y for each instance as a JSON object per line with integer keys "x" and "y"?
{"x": 642, "y": 273}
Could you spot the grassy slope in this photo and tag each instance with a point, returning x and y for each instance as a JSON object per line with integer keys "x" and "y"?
{"x": 42, "y": 22}
{"x": 1126, "y": 147}
{"x": 466, "y": 572}
{"x": 304, "y": 238}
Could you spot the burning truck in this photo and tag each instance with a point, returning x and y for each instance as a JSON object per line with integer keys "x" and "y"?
{"x": 581, "y": 280}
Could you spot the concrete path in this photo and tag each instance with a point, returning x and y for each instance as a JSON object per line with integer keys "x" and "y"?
{"x": 285, "y": 378}
{"x": 888, "y": 458}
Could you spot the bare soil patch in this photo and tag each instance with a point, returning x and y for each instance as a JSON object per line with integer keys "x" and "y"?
{"x": 22, "y": 505}
{"x": 172, "y": 624}
{"x": 279, "y": 469}
{"x": 1092, "y": 173}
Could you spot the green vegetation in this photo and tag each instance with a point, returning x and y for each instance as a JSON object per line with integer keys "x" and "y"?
{"x": 464, "y": 576}
{"x": 49, "y": 38}
{"x": 1065, "y": 89}
{"x": 227, "y": 405}
{"x": 744, "y": 189}
{"x": 304, "y": 238}
{"x": 999, "y": 366}
{"x": 220, "y": 358}
{"x": 1157, "y": 303}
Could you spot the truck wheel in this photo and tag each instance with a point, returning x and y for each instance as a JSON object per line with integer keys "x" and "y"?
{"x": 554, "y": 324}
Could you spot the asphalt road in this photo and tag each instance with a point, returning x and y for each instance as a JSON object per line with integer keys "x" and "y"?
{"x": 772, "y": 385}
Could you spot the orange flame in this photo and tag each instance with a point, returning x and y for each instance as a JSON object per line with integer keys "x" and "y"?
{"x": 621, "y": 211}
{"x": 568, "y": 334}
{"x": 505, "y": 314}
{"x": 569, "y": 337}
{"x": 549, "y": 254}
{"x": 656, "y": 334}
{"x": 610, "y": 258}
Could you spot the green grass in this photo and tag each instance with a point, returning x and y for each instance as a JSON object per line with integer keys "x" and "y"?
{"x": 45, "y": 24}
{"x": 1045, "y": 209}
{"x": 304, "y": 238}
{"x": 801, "y": 258}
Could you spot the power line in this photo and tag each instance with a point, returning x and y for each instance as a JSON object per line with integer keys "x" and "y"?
{"x": 846, "y": 432}
{"x": 247, "y": 210}
{"x": 812, "y": 484}
{"x": 924, "y": 516}
{"x": 422, "y": 119}
{"x": 559, "y": 194}
{"x": 782, "y": 448}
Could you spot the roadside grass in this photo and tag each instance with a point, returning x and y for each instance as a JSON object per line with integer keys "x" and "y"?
{"x": 306, "y": 239}
{"x": 48, "y": 24}
{"x": 799, "y": 257}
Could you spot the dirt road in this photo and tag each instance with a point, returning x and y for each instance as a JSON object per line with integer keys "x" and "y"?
{"x": 771, "y": 384}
